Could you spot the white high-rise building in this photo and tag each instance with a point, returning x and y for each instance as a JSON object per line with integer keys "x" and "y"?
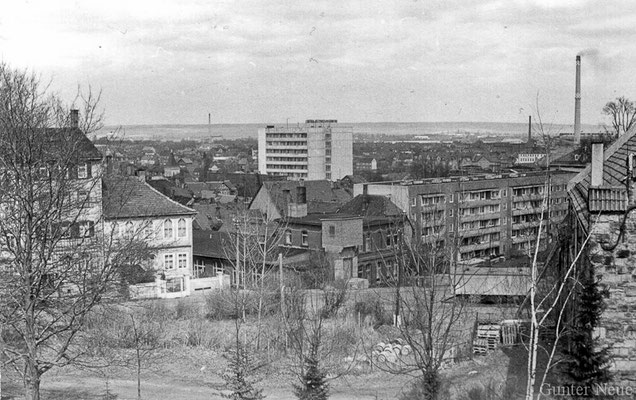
{"x": 318, "y": 149}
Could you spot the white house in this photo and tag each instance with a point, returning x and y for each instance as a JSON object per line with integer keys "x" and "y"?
{"x": 134, "y": 208}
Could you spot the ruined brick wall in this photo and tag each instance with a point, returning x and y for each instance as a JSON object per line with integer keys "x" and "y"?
{"x": 617, "y": 269}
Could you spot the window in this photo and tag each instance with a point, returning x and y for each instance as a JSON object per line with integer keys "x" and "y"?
{"x": 82, "y": 171}
{"x": 167, "y": 229}
{"x": 82, "y": 196}
{"x": 86, "y": 229}
{"x": 304, "y": 238}
{"x": 181, "y": 228}
{"x": 182, "y": 260}
{"x": 174, "y": 285}
{"x": 128, "y": 230}
{"x": 367, "y": 242}
{"x": 168, "y": 261}
{"x": 148, "y": 230}
{"x": 450, "y": 212}
{"x": 332, "y": 231}
{"x": 288, "y": 237}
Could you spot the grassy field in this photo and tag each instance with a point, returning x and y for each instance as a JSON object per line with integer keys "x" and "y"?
{"x": 189, "y": 363}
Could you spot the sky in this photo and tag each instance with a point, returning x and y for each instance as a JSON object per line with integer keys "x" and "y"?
{"x": 262, "y": 61}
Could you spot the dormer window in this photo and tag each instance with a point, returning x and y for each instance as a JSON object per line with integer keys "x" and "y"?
{"x": 82, "y": 171}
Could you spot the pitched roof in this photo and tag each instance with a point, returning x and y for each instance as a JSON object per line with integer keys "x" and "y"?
{"x": 128, "y": 197}
{"x": 371, "y": 206}
{"x": 64, "y": 140}
{"x": 321, "y": 195}
{"x": 614, "y": 173}
{"x": 207, "y": 243}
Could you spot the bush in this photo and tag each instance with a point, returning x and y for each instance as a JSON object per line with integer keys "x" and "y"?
{"x": 374, "y": 309}
{"x": 490, "y": 392}
{"x": 185, "y": 309}
{"x": 335, "y": 298}
{"x": 427, "y": 388}
{"x": 228, "y": 304}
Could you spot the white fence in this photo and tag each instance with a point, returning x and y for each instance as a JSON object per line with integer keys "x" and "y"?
{"x": 217, "y": 282}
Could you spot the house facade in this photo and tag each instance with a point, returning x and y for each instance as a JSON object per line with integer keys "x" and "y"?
{"x": 133, "y": 209}
{"x": 483, "y": 216}
{"x": 317, "y": 149}
{"x": 360, "y": 240}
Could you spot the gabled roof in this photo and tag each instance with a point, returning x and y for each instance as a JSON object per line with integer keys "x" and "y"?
{"x": 366, "y": 205}
{"x": 128, "y": 197}
{"x": 65, "y": 140}
{"x": 321, "y": 196}
{"x": 614, "y": 173}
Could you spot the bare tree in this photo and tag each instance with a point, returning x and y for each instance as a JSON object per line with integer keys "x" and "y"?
{"x": 55, "y": 263}
{"x": 622, "y": 113}
{"x": 431, "y": 316}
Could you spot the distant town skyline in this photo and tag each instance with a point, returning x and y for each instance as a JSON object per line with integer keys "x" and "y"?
{"x": 173, "y": 62}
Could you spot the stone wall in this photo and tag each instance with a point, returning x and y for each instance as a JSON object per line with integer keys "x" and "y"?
{"x": 617, "y": 269}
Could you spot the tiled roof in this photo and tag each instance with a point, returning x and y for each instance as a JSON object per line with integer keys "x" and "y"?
{"x": 74, "y": 140}
{"x": 207, "y": 243}
{"x": 128, "y": 197}
{"x": 321, "y": 195}
{"x": 614, "y": 173}
{"x": 371, "y": 206}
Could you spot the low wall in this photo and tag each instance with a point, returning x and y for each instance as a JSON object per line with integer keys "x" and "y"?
{"x": 216, "y": 282}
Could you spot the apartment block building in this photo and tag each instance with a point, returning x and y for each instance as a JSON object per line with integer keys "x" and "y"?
{"x": 318, "y": 149}
{"x": 480, "y": 217}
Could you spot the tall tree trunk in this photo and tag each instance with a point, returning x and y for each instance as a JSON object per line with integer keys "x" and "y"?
{"x": 32, "y": 381}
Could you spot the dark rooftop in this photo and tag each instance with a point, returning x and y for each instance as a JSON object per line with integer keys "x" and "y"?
{"x": 128, "y": 197}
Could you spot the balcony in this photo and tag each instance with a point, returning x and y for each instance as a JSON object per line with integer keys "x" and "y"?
{"x": 477, "y": 231}
{"x": 481, "y": 246}
{"x": 479, "y": 217}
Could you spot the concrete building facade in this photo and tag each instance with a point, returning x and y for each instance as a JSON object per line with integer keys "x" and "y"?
{"x": 482, "y": 217}
{"x": 318, "y": 149}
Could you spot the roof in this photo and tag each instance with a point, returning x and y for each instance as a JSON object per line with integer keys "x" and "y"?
{"x": 213, "y": 244}
{"x": 355, "y": 179}
{"x": 371, "y": 206}
{"x": 321, "y": 195}
{"x": 614, "y": 173}
{"x": 70, "y": 140}
{"x": 128, "y": 197}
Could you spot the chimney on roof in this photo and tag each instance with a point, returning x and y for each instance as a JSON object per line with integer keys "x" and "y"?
{"x": 577, "y": 103}
{"x": 597, "y": 164}
{"x": 74, "y": 119}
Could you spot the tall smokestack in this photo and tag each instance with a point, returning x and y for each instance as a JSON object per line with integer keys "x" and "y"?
{"x": 209, "y": 124}
{"x": 577, "y": 103}
{"x": 529, "y": 128}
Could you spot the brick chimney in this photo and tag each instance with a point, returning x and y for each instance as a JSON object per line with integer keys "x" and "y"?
{"x": 74, "y": 119}
{"x": 597, "y": 164}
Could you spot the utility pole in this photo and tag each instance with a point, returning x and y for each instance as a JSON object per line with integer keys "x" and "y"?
{"x": 280, "y": 283}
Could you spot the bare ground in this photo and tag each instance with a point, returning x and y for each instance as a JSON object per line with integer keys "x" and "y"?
{"x": 195, "y": 376}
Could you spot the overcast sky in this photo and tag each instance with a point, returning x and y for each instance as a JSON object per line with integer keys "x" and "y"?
{"x": 163, "y": 62}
